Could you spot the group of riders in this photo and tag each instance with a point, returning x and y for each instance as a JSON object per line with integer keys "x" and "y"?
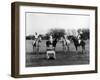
{"x": 51, "y": 42}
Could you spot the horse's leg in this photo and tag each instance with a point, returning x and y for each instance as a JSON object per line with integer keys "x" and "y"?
{"x": 83, "y": 48}
{"x": 76, "y": 48}
{"x": 38, "y": 47}
{"x": 33, "y": 47}
{"x": 55, "y": 48}
{"x": 63, "y": 46}
{"x": 68, "y": 47}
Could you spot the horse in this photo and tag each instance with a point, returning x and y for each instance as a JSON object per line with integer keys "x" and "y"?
{"x": 65, "y": 43}
{"x": 77, "y": 43}
{"x": 36, "y": 43}
{"x": 53, "y": 43}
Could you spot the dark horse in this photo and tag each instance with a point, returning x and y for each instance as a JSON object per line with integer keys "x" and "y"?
{"x": 48, "y": 43}
{"x": 77, "y": 44}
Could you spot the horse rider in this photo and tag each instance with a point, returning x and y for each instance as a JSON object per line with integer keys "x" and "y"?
{"x": 36, "y": 38}
{"x": 51, "y": 39}
{"x": 66, "y": 39}
{"x": 80, "y": 36}
{"x": 36, "y": 35}
{"x": 50, "y": 42}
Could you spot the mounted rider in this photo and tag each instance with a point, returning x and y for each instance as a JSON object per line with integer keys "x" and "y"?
{"x": 66, "y": 40}
{"x": 36, "y": 36}
{"x": 50, "y": 42}
{"x": 36, "y": 39}
{"x": 80, "y": 36}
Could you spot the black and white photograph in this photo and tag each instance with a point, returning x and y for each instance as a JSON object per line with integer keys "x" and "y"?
{"x": 54, "y": 39}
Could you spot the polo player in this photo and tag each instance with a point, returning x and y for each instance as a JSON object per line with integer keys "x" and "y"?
{"x": 80, "y": 37}
{"x": 36, "y": 36}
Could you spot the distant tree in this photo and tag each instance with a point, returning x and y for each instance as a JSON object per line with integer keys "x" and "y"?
{"x": 29, "y": 37}
{"x": 56, "y": 33}
{"x": 86, "y": 33}
{"x": 45, "y": 37}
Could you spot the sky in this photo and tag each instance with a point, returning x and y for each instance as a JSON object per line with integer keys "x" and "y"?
{"x": 42, "y": 22}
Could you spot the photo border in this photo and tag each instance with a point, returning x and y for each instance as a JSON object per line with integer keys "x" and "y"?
{"x": 15, "y": 32}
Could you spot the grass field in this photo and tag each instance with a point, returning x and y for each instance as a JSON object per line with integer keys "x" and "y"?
{"x": 71, "y": 57}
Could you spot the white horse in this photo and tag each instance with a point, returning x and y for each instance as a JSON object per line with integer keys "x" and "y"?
{"x": 65, "y": 43}
{"x": 36, "y": 43}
